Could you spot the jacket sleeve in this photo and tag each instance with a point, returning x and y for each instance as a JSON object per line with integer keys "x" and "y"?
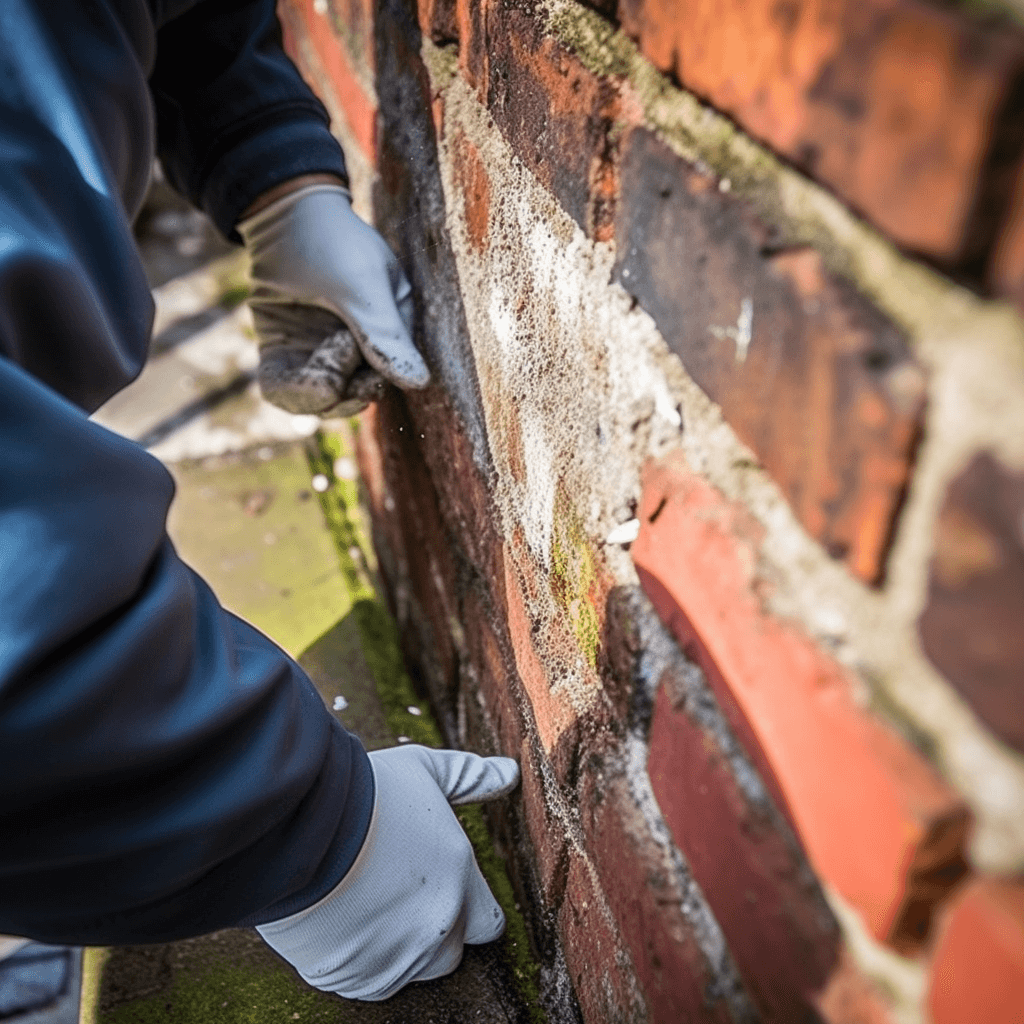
{"x": 165, "y": 769}
{"x": 234, "y": 117}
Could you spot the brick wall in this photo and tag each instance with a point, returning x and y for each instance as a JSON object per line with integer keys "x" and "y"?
{"x": 714, "y": 514}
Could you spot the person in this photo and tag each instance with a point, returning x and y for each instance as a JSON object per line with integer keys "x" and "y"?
{"x": 165, "y": 769}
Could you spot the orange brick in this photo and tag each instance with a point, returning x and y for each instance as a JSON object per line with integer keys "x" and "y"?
{"x": 301, "y": 21}
{"x": 977, "y": 971}
{"x": 877, "y": 822}
{"x": 895, "y": 104}
{"x": 552, "y": 713}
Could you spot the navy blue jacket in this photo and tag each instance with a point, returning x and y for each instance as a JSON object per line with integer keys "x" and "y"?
{"x": 165, "y": 769}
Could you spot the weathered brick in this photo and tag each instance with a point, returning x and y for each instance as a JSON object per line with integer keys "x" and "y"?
{"x": 754, "y": 875}
{"x": 493, "y": 670}
{"x": 972, "y": 627}
{"x": 552, "y": 712}
{"x": 877, "y": 822}
{"x": 977, "y": 970}
{"x": 555, "y": 113}
{"x": 438, "y": 20}
{"x": 808, "y": 373}
{"x": 474, "y": 54}
{"x": 677, "y": 979}
{"x": 475, "y": 188}
{"x": 352, "y": 23}
{"x": 1007, "y": 276}
{"x": 601, "y": 969}
{"x": 907, "y": 110}
{"x": 301, "y": 22}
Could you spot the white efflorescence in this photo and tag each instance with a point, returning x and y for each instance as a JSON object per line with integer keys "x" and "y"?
{"x": 574, "y": 383}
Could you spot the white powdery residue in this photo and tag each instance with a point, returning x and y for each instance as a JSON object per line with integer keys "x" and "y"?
{"x": 624, "y": 533}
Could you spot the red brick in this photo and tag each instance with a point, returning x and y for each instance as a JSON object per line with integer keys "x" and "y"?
{"x": 495, "y": 681}
{"x": 471, "y": 27}
{"x": 675, "y": 976}
{"x": 754, "y": 876}
{"x": 977, "y": 970}
{"x": 550, "y": 845}
{"x": 849, "y": 998}
{"x": 877, "y": 822}
{"x": 438, "y": 20}
{"x": 475, "y": 189}
{"x": 553, "y": 714}
{"x": 601, "y": 970}
{"x": 897, "y": 105}
{"x": 303, "y": 23}
{"x": 1008, "y": 260}
{"x": 816, "y": 380}
{"x": 556, "y": 114}
{"x": 971, "y": 627}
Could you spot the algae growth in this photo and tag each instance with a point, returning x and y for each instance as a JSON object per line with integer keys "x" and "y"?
{"x": 341, "y": 507}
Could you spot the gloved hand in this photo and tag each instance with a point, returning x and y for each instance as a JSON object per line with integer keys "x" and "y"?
{"x": 414, "y": 895}
{"x": 332, "y": 308}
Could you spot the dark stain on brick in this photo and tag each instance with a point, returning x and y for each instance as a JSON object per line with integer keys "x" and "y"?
{"x": 972, "y": 627}
{"x": 556, "y": 115}
{"x": 808, "y": 372}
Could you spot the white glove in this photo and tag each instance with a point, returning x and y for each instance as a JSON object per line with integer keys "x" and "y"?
{"x": 414, "y": 895}
{"x": 332, "y": 308}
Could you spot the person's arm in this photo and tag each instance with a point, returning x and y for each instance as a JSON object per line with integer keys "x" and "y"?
{"x": 165, "y": 769}
{"x": 234, "y": 117}
{"x": 241, "y": 134}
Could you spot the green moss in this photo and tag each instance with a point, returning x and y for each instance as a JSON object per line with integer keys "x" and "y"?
{"x": 573, "y": 577}
{"x": 382, "y": 650}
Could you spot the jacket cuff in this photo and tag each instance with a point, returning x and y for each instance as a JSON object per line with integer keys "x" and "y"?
{"x": 263, "y": 161}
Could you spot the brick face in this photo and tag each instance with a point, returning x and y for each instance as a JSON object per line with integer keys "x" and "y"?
{"x": 556, "y": 114}
{"x": 300, "y": 20}
{"x": 898, "y": 105}
{"x": 777, "y": 923}
{"x": 810, "y": 375}
{"x": 977, "y": 970}
{"x": 877, "y": 823}
{"x": 971, "y": 627}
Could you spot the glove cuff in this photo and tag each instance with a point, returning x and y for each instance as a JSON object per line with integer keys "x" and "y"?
{"x": 253, "y": 226}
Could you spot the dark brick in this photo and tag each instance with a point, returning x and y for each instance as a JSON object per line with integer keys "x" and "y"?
{"x": 556, "y": 115}
{"x": 642, "y": 888}
{"x": 906, "y": 109}
{"x": 601, "y": 970}
{"x": 1007, "y": 273}
{"x": 751, "y": 869}
{"x": 972, "y": 627}
{"x": 438, "y": 20}
{"x": 809, "y": 374}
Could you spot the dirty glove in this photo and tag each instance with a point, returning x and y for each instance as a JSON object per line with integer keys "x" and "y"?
{"x": 332, "y": 308}
{"x": 414, "y": 895}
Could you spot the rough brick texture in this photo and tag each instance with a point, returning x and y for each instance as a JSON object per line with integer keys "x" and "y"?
{"x": 809, "y": 374}
{"x": 878, "y": 824}
{"x": 972, "y": 627}
{"x": 704, "y": 780}
{"x": 907, "y": 110}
